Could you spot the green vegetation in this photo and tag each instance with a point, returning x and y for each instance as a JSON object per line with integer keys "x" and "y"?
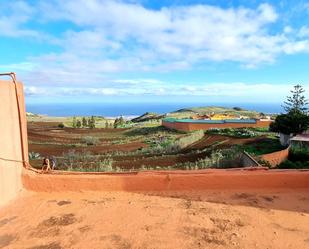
{"x": 90, "y": 140}
{"x": 147, "y": 117}
{"x": 263, "y": 146}
{"x": 73, "y": 161}
{"x": 296, "y": 120}
{"x": 297, "y": 102}
{"x": 234, "y": 132}
{"x": 298, "y": 159}
{"x": 169, "y": 145}
{"x": 188, "y": 112}
{"x": 119, "y": 122}
{"x": 61, "y": 125}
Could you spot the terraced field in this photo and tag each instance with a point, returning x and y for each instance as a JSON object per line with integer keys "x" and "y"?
{"x": 125, "y": 149}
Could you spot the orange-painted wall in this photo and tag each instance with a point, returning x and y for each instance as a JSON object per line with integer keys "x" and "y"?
{"x": 186, "y": 126}
{"x": 277, "y": 157}
{"x": 11, "y": 144}
{"x": 167, "y": 180}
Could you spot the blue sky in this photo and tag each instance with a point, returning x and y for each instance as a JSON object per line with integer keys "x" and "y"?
{"x": 156, "y": 51}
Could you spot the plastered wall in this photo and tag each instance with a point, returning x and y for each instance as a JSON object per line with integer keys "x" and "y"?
{"x": 11, "y": 152}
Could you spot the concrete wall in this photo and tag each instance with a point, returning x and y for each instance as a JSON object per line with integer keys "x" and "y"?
{"x": 248, "y": 161}
{"x": 11, "y": 152}
{"x": 187, "y": 126}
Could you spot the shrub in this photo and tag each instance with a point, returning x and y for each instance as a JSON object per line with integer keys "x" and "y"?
{"x": 90, "y": 140}
{"x": 85, "y": 161}
{"x": 293, "y": 165}
{"x": 298, "y": 154}
{"x": 61, "y": 125}
{"x": 237, "y": 132}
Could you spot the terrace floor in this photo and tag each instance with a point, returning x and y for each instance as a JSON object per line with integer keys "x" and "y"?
{"x": 216, "y": 219}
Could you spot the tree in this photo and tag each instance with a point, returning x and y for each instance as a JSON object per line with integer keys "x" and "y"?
{"x": 78, "y": 124}
{"x": 84, "y": 122}
{"x": 294, "y": 122}
{"x": 74, "y": 122}
{"x": 121, "y": 121}
{"x": 91, "y": 122}
{"x": 116, "y": 123}
{"x": 297, "y": 102}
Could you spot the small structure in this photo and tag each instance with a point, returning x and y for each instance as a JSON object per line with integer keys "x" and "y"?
{"x": 300, "y": 141}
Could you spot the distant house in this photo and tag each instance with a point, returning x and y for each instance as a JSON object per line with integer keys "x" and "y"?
{"x": 300, "y": 141}
{"x": 223, "y": 116}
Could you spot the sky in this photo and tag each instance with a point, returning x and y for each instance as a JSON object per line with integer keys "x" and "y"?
{"x": 212, "y": 51}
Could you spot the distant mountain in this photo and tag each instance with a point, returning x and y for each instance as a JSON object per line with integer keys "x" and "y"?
{"x": 188, "y": 112}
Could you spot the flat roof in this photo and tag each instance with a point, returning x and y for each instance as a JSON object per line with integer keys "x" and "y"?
{"x": 301, "y": 138}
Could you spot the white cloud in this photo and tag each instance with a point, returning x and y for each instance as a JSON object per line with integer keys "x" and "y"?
{"x": 222, "y": 91}
{"x": 190, "y": 34}
{"x": 107, "y": 38}
{"x": 12, "y": 17}
{"x": 304, "y": 31}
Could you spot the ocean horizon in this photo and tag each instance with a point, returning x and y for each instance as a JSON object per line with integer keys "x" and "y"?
{"x": 135, "y": 109}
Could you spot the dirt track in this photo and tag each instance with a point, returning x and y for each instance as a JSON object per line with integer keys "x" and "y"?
{"x": 218, "y": 219}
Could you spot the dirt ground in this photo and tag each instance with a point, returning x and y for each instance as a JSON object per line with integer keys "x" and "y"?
{"x": 123, "y": 220}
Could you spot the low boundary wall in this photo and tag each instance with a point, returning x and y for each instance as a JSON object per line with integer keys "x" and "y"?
{"x": 167, "y": 181}
{"x": 187, "y": 126}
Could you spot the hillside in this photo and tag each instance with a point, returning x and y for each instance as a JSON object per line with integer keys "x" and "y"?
{"x": 147, "y": 117}
{"x": 188, "y": 112}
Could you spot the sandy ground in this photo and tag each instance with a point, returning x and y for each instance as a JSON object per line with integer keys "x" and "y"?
{"x": 123, "y": 220}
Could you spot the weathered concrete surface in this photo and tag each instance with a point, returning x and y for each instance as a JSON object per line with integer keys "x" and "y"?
{"x": 11, "y": 140}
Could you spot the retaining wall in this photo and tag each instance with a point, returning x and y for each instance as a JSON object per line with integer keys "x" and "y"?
{"x": 277, "y": 157}
{"x": 11, "y": 143}
{"x": 187, "y": 126}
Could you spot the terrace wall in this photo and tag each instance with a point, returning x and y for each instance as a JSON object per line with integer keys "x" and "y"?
{"x": 13, "y": 140}
{"x": 277, "y": 157}
{"x": 187, "y": 126}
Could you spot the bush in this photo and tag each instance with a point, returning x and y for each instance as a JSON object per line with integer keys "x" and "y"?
{"x": 237, "y": 132}
{"x": 85, "y": 161}
{"x": 90, "y": 140}
{"x": 299, "y": 154}
{"x": 61, "y": 125}
{"x": 293, "y": 165}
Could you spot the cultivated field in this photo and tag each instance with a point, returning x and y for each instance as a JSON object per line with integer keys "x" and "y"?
{"x": 136, "y": 148}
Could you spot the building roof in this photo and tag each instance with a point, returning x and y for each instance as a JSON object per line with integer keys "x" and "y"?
{"x": 301, "y": 138}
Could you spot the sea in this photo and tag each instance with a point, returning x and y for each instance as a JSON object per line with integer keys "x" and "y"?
{"x": 131, "y": 110}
